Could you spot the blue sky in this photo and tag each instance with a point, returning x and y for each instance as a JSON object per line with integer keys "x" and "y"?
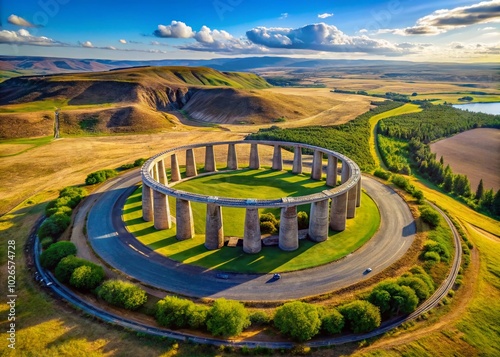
{"x": 449, "y": 30}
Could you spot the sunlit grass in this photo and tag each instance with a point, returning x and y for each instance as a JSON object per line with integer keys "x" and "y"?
{"x": 18, "y": 146}
{"x": 271, "y": 259}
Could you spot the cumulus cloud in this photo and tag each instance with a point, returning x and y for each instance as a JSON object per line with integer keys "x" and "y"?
{"x": 319, "y": 37}
{"x": 87, "y": 44}
{"x": 19, "y": 21}
{"x": 23, "y": 37}
{"x": 123, "y": 41}
{"x": 325, "y": 15}
{"x": 441, "y": 21}
{"x": 176, "y": 29}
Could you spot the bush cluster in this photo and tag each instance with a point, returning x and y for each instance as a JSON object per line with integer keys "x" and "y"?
{"x": 79, "y": 272}
{"x": 53, "y": 254}
{"x": 122, "y": 294}
{"x": 100, "y": 176}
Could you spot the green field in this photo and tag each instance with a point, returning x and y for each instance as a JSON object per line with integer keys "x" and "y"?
{"x": 48, "y": 104}
{"x": 453, "y": 98}
{"x": 271, "y": 184}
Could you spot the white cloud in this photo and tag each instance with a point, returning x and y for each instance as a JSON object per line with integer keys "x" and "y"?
{"x": 325, "y": 15}
{"x": 490, "y": 28}
{"x": 23, "y": 37}
{"x": 176, "y": 29}
{"x": 445, "y": 20}
{"x": 87, "y": 44}
{"x": 19, "y": 21}
{"x": 283, "y": 16}
{"x": 319, "y": 37}
{"x": 123, "y": 41}
{"x": 157, "y": 43}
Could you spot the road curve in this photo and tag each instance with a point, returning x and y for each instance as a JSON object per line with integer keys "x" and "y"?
{"x": 118, "y": 248}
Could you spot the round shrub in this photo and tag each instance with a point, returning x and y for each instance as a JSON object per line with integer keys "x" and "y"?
{"x": 139, "y": 162}
{"x": 53, "y": 254}
{"x": 432, "y": 256}
{"x": 297, "y": 319}
{"x": 361, "y": 316}
{"x": 429, "y": 216}
{"x": 54, "y": 226}
{"x": 99, "y": 176}
{"x": 75, "y": 193}
{"x": 302, "y": 220}
{"x": 259, "y": 318}
{"x": 382, "y": 174}
{"x": 122, "y": 294}
{"x": 433, "y": 246}
{"x": 67, "y": 265}
{"x": 87, "y": 277}
{"x": 418, "y": 285}
{"x": 46, "y": 242}
{"x": 198, "y": 316}
{"x": 267, "y": 228}
{"x": 333, "y": 322}
{"x": 173, "y": 311}
{"x": 227, "y": 318}
{"x": 268, "y": 217}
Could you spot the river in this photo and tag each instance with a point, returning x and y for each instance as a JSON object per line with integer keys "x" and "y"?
{"x": 488, "y": 108}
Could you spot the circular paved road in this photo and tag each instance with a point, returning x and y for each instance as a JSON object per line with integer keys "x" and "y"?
{"x": 115, "y": 245}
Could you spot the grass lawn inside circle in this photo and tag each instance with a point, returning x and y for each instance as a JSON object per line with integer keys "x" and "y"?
{"x": 261, "y": 183}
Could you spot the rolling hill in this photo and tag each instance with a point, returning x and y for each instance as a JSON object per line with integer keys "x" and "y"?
{"x": 118, "y": 101}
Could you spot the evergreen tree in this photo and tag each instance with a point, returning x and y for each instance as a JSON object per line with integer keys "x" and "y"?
{"x": 496, "y": 204}
{"x": 480, "y": 190}
{"x": 487, "y": 200}
{"x": 448, "y": 181}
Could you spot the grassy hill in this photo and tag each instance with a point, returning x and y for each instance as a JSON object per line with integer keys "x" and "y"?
{"x": 117, "y": 101}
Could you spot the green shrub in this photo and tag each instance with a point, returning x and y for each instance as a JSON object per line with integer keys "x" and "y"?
{"x": 382, "y": 174}
{"x": 227, "y": 318}
{"x": 75, "y": 193}
{"x": 267, "y": 228}
{"x": 54, "y": 226}
{"x": 361, "y": 316}
{"x": 46, "y": 242}
{"x": 99, "y": 176}
{"x": 173, "y": 311}
{"x": 418, "y": 285}
{"x": 259, "y": 318}
{"x": 432, "y": 256}
{"x": 87, "y": 277}
{"x": 122, "y": 294}
{"x": 333, "y": 322}
{"x": 67, "y": 266}
{"x": 302, "y": 220}
{"x": 268, "y": 217}
{"x": 401, "y": 182}
{"x": 198, "y": 316}
{"x": 53, "y": 254}
{"x": 440, "y": 249}
{"x": 139, "y": 162}
{"x": 429, "y": 215}
{"x": 297, "y": 319}
{"x": 402, "y": 298}
{"x": 126, "y": 167}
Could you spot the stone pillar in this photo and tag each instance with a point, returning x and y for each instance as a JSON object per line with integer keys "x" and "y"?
{"x": 358, "y": 196}
{"x": 162, "y": 219}
{"x": 210, "y": 159}
{"x": 254, "y": 157}
{"x": 338, "y": 212}
{"x": 344, "y": 175}
{"x": 174, "y": 168}
{"x": 318, "y": 221}
{"x": 156, "y": 177}
{"x": 214, "y": 231}
{"x": 277, "y": 159}
{"x": 317, "y": 166}
{"x": 331, "y": 171}
{"x": 289, "y": 229}
{"x": 184, "y": 219}
{"x": 251, "y": 239}
{"x": 190, "y": 163}
{"x": 297, "y": 161}
{"x": 147, "y": 203}
{"x": 232, "y": 157}
{"x": 162, "y": 173}
{"x": 351, "y": 201}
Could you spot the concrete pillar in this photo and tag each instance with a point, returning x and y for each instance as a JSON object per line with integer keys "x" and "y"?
{"x": 317, "y": 166}
{"x": 344, "y": 174}
{"x": 156, "y": 177}
{"x": 232, "y": 157}
{"x": 174, "y": 168}
{"x": 297, "y": 161}
{"x": 147, "y": 203}
{"x": 277, "y": 159}
{"x": 251, "y": 239}
{"x": 190, "y": 163}
{"x": 318, "y": 221}
{"x": 254, "y": 157}
{"x": 210, "y": 159}
{"x": 338, "y": 212}
{"x": 184, "y": 219}
{"x": 162, "y": 219}
{"x": 214, "y": 231}
{"x": 358, "y": 196}
{"x": 351, "y": 201}
{"x": 331, "y": 171}
{"x": 289, "y": 229}
{"x": 162, "y": 173}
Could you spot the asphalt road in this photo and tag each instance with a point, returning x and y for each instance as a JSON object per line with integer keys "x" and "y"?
{"x": 110, "y": 240}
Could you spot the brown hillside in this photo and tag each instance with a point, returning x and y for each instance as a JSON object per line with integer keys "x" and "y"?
{"x": 234, "y": 106}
